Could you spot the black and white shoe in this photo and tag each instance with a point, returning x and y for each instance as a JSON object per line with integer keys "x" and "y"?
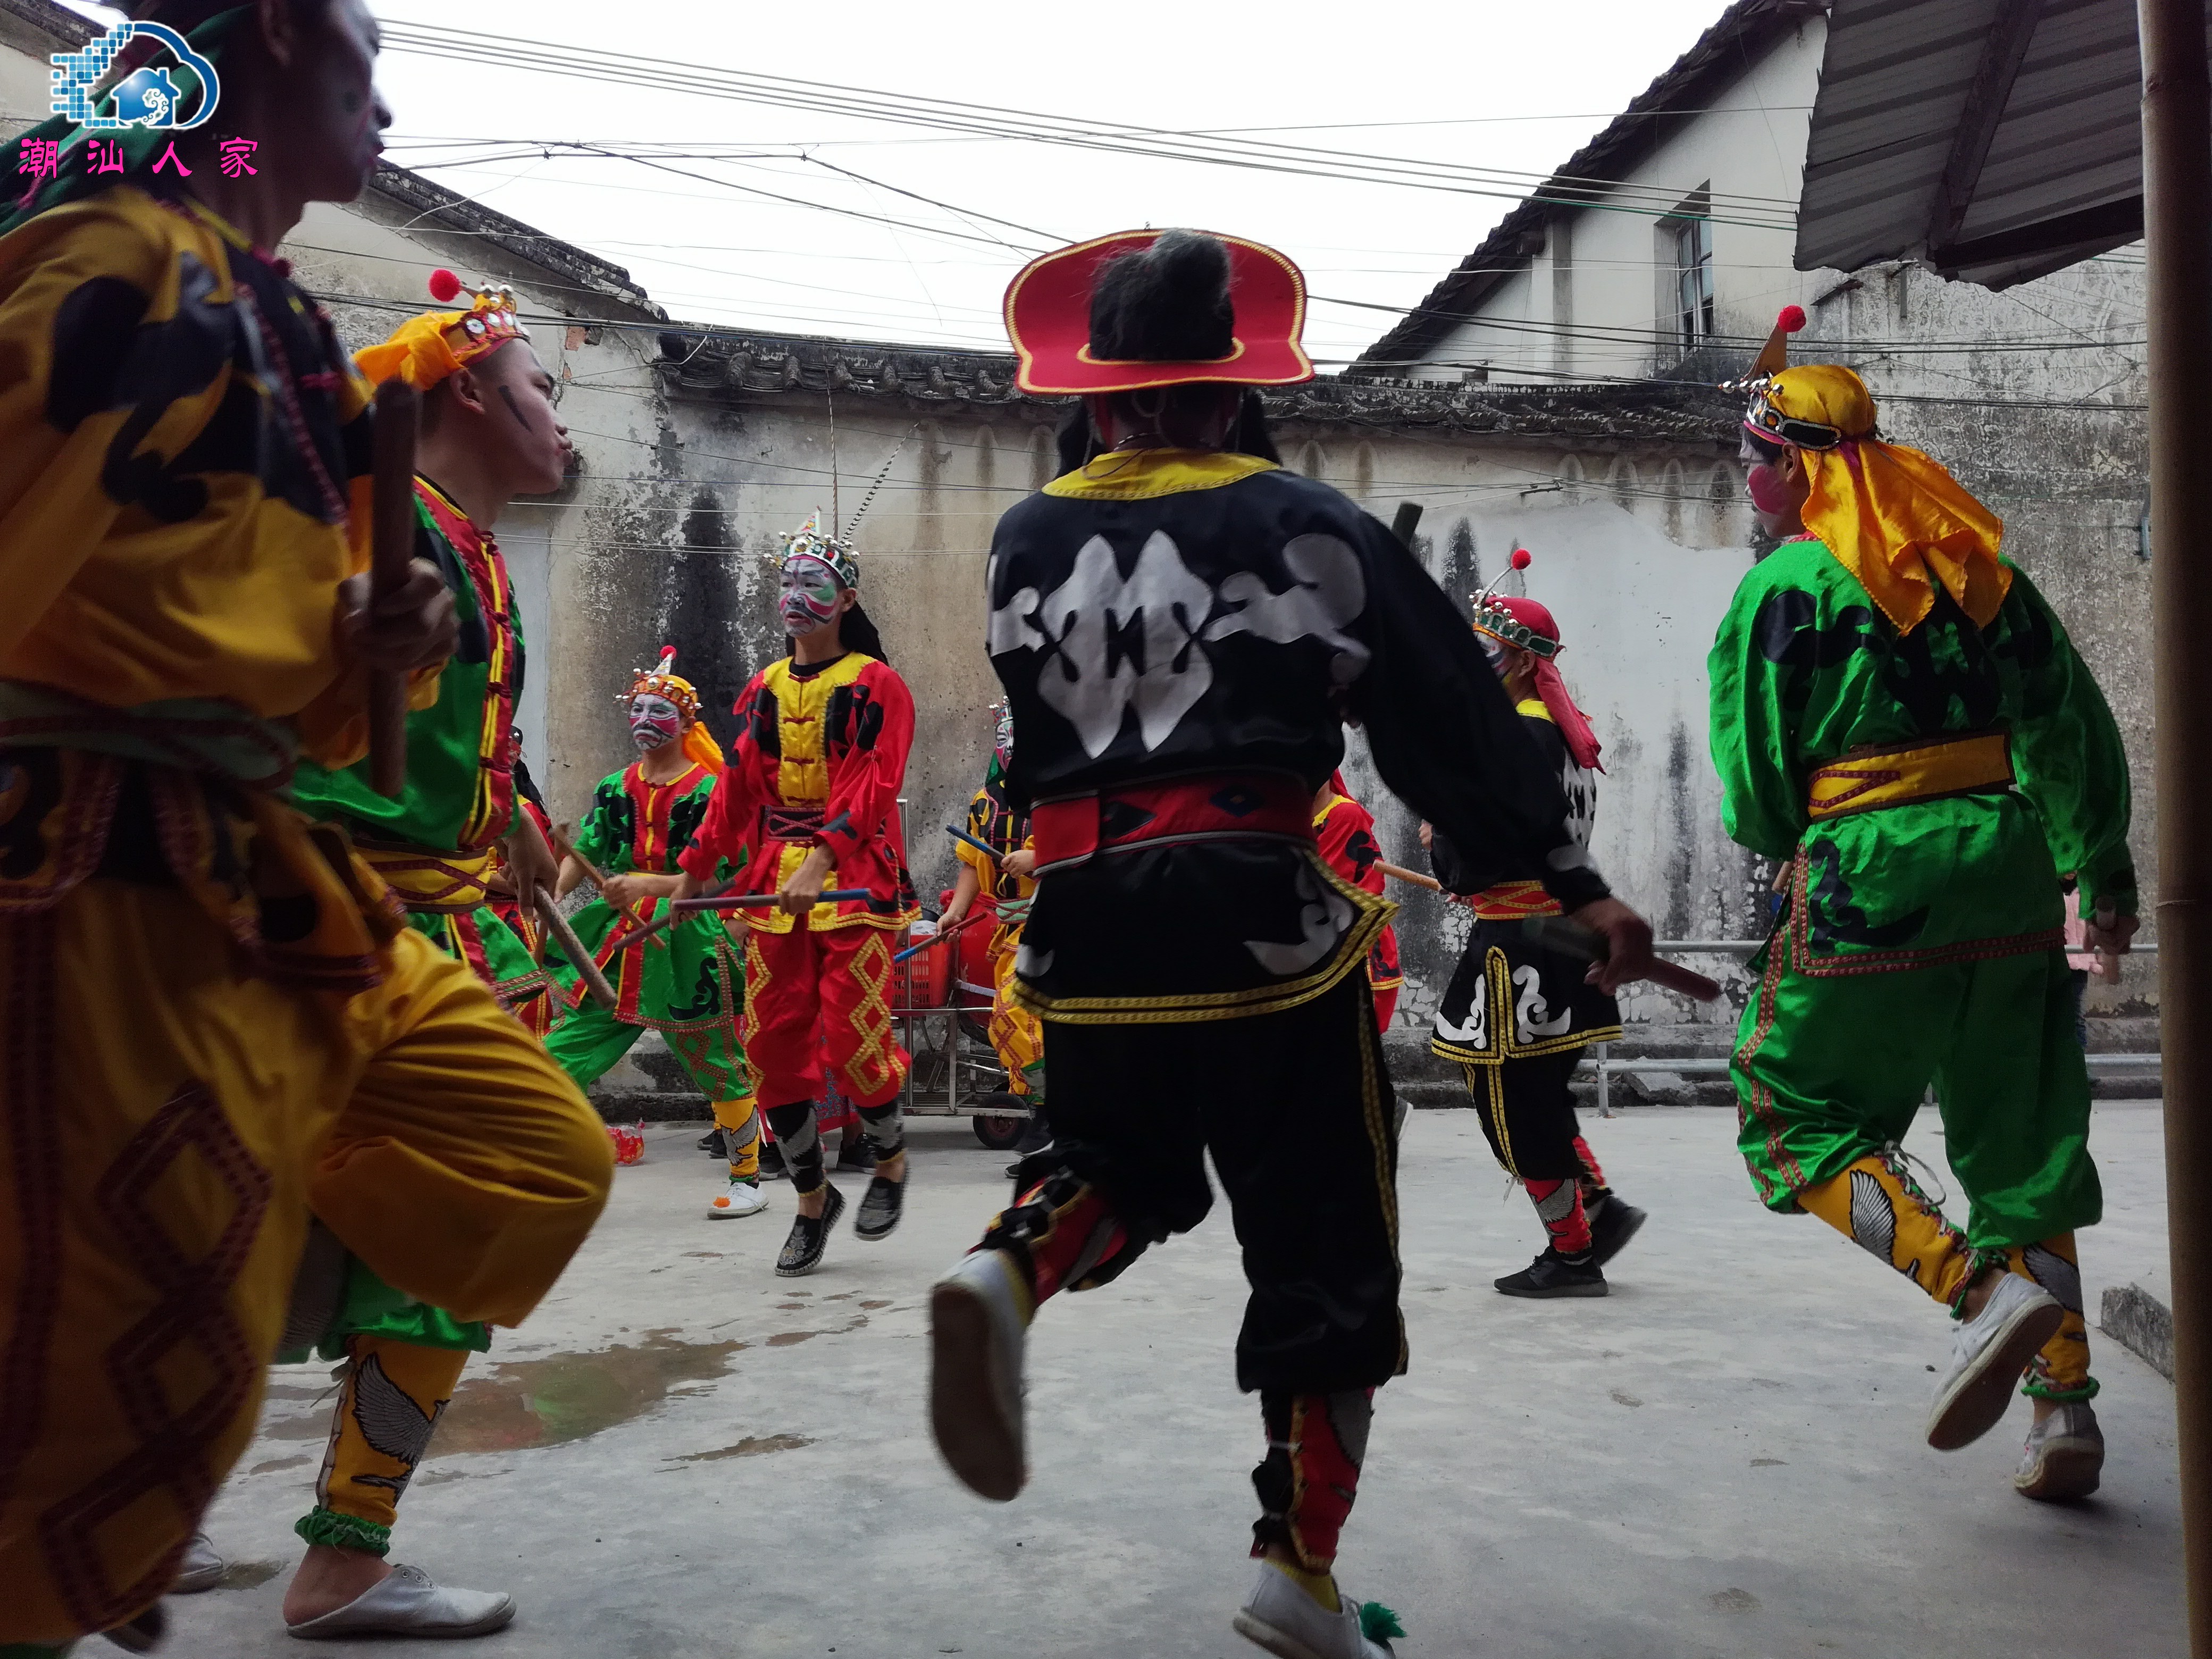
{"x": 809, "y": 1237}
{"x": 1552, "y": 1274}
{"x": 1611, "y": 1225}
{"x": 772, "y": 1167}
{"x": 881, "y": 1206}
{"x": 854, "y": 1152}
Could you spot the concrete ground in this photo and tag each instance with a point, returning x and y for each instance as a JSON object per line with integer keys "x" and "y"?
{"x": 682, "y": 1456}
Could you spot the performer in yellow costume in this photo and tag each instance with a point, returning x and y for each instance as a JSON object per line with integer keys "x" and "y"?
{"x": 214, "y": 1020}
{"x": 1003, "y": 880}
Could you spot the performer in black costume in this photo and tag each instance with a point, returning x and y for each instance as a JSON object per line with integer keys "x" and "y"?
{"x": 1516, "y": 1017}
{"x": 1181, "y": 626}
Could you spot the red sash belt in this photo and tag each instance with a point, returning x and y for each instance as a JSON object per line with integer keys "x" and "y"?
{"x": 1217, "y": 806}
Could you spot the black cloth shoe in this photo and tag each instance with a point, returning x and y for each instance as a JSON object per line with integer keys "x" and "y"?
{"x": 853, "y": 1153}
{"x": 1611, "y": 1225}
{"x": 881, "y": 1206}
{"x": 810, "y": 1236}
{"x": 771, "y": 1162}
{"x": 712, "y": 1141}
{"x": 1549, "y": 1275}
{"x": 1036, "y": 1137}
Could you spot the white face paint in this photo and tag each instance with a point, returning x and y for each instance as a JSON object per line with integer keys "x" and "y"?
{"x": 807, "y": 595}
{"x": 653, "y": 721}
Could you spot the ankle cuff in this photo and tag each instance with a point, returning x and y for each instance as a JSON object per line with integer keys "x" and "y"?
{"x": 2036, "y": 1389}
{"x": 344, "y": 1532}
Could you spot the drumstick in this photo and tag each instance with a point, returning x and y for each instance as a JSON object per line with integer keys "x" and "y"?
{"x": 985, "y": 848}
{"x": 939, "y": 937}
{"x": 1571, "y": 939}
{"x": 392, "y": 550}
{"x": 637, "y": 935}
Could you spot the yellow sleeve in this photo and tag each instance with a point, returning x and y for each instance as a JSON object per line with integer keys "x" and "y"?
{"x": 114, "y": 355}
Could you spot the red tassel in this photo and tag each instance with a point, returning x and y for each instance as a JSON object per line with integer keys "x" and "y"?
{"x": 444, "y": 285}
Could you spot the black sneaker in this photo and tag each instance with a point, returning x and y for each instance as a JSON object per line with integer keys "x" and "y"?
{"x": 855, "y": 1153}
{"x": 712, "y": 1141}
{"x": 771, "y": 1162}
{"x": 1611, "y": 1225}
{"x": 881, "y": 1206}
{"x": 810, "y": 1236}
{"x": 1549, "y": 1275}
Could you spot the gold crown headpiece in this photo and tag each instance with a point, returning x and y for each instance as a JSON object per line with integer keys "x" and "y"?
{"x": 662, "y": 681}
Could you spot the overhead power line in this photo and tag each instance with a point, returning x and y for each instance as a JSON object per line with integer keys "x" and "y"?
{"x": 825, "y": 98}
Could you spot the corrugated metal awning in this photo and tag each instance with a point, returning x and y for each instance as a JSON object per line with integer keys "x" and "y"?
{"x": 1997, "y": 140}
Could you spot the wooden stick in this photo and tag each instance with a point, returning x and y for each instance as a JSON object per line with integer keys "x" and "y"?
{"x": 637, "y": 936}
{"x": 986, "y": 850}
{"x": 761, "y": 901}
{"x": 1571, "y": 939}
{"x": 392, "y": 550}
{"x": 586, "y": 970}
{"x": 1411, "y": 878}
{"x": 634, "y": 917}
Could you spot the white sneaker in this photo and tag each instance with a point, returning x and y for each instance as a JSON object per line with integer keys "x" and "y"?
{"x": 1283, "y": 1618}
{"x": 1988, "y": 1354}
{"x": 743, "y": 1198}
{"x": 202, "y": 1569}
{"x": 2064, "y": 1456}
{"x": 405, "y": 1602}
{"x": 979, "y": 1316}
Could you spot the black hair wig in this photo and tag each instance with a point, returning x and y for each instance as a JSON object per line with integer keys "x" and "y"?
{"x": 1167, "y": 304}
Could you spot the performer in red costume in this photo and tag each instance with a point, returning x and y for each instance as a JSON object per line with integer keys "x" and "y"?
{"x": 808, "y": 802}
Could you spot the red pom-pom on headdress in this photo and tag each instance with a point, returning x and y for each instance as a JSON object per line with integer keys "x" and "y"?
{"x": 1774, "y": 356}
{"x": 1790, "y": 319}
{"x": 1522, "y": 558}
{"x": 444, "y": 286}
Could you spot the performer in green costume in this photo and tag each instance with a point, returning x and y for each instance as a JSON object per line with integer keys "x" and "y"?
{"x": 687, "y": 982}
{"x": 1898, "y": 717}
{"x": 489, "y": 433}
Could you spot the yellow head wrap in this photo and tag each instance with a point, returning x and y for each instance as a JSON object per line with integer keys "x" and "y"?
{"x": 426, "y": 349}
{"x": 1894, "y": 518}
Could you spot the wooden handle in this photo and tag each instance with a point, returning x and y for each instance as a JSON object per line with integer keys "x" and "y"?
{"x": 1402, "y": 526}
{"x": 1571, "y": 939}
{"x": 761, "y": 901}
{"x": 586, "y": 970}
{"x": 1411, "y": 878}
{"x": 391, "y": 547}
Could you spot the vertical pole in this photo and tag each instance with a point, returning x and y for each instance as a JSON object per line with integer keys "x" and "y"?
{"x": 2177, "y": 106}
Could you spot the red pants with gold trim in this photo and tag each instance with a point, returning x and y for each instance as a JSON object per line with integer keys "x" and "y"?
{"x": 815, "y": 995}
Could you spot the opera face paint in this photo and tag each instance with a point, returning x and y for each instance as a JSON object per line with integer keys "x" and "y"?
{"x": 1769, "y": 492}
{"x": 653, "y": 721}
{"x": 808, "y": 590}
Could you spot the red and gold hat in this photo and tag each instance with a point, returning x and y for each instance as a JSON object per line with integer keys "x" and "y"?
{"x": 426, "y": 349}
{"x": 1048, "y": 315}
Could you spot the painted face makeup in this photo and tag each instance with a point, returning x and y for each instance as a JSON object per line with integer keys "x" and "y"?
{"x": 1769, "y": 492}
{"x": 653, "y": 721}
{"x": 1493, "y": 649}
{"x": 808, "y": 595}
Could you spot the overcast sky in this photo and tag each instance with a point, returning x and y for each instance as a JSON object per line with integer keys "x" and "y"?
{"x": 1513, "y": 87}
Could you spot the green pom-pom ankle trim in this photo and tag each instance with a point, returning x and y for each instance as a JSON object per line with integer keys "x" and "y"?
{"x": 344, "y": 1532}
{"x": 1378, "y": 1623}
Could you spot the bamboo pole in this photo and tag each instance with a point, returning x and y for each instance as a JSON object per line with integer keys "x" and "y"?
{"x": 2177, "y": 107}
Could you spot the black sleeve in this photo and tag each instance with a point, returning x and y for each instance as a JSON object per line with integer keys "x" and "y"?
{"x": 1449, "y": 743}
{"x": 525, "y": 785}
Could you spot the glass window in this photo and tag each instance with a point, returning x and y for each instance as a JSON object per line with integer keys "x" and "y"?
{"x": 1693, "y": 280}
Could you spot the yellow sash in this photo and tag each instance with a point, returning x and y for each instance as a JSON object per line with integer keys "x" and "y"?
{"x": 1867, "y": 780}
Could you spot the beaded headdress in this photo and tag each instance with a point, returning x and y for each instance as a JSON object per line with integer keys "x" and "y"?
{"x": 662, "y": 681}
{"x": 426, "y": 349}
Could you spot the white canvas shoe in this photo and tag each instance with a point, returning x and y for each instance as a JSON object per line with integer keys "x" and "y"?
{"x": 743, "y": 1198}
{"x": 978, "y": 1328}
{"x": 2064, "y": 1456}
{"x": 1283, "y": 1618}
{"x": 405, "y": 1602}
{"x": 1988, "y": 1354}
{"x": 202, "y": 1569}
